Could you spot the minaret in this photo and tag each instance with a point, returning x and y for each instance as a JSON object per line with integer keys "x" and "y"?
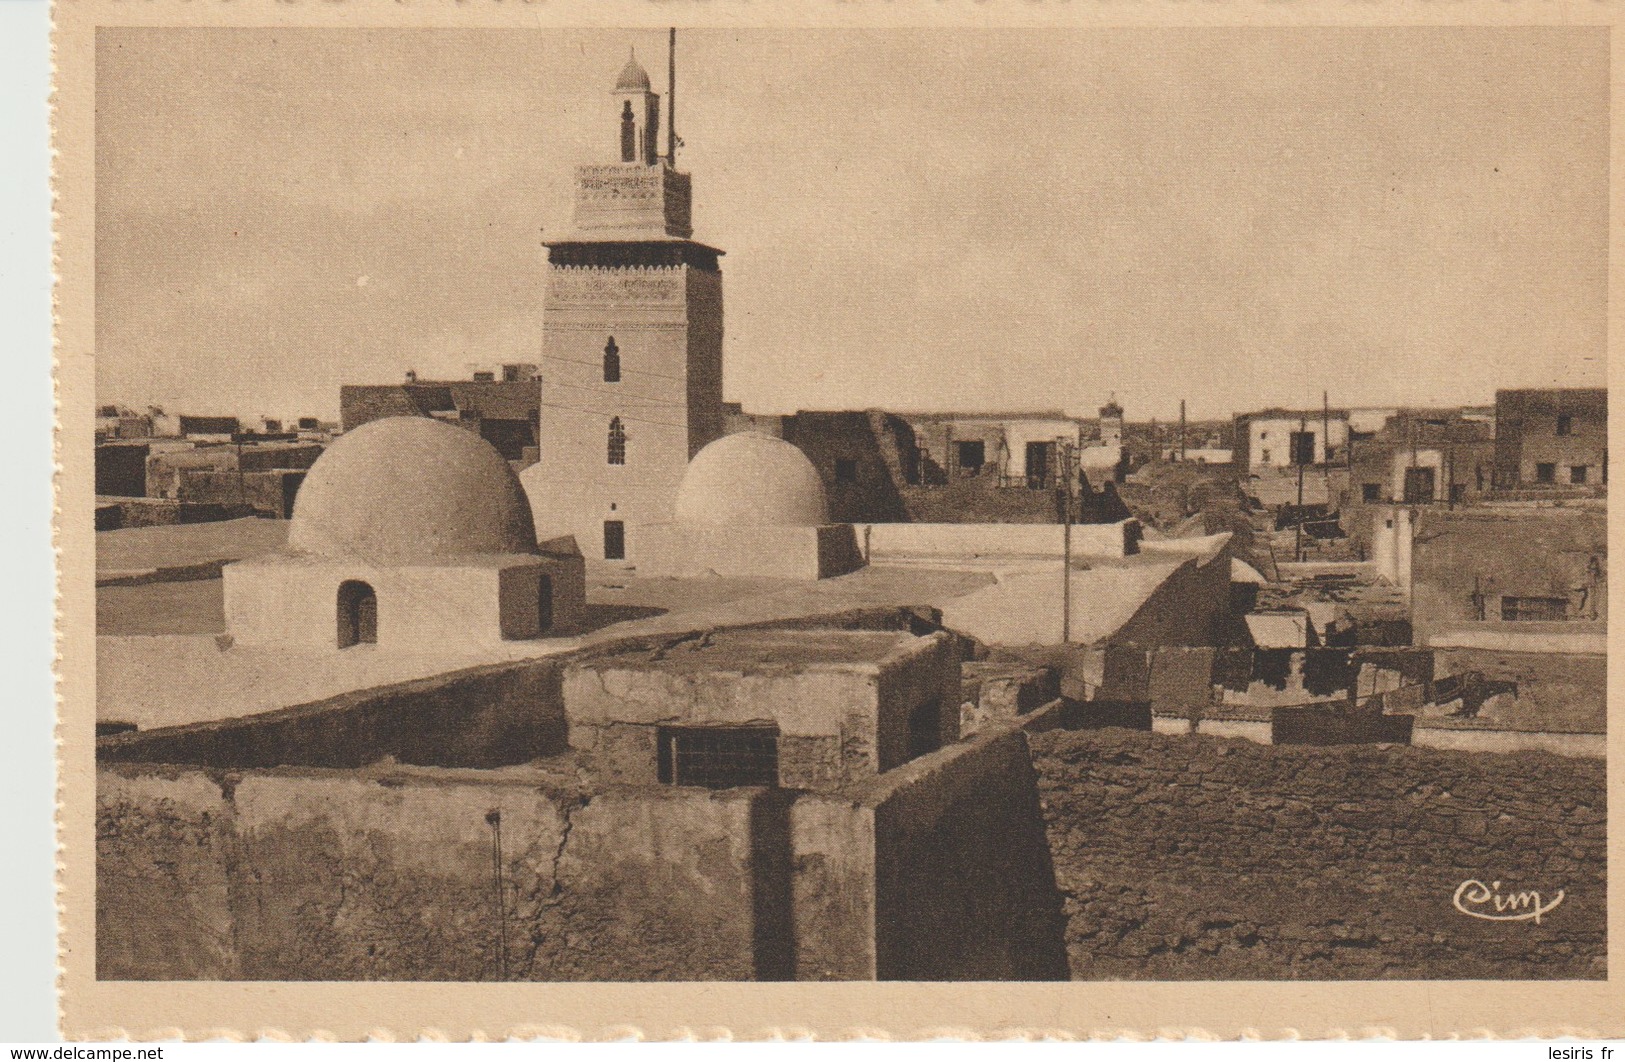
{"x": 631, "y": 341}
{"x": 1111, "y": 423}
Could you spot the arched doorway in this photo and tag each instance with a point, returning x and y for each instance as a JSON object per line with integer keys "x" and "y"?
{"x": 358, "y": 614}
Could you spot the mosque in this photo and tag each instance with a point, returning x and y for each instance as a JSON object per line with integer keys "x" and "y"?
{"x": 410, "y": 534}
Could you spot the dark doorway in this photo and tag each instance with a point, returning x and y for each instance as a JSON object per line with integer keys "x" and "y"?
{"x": 1038, "y": 461}
{"x": 544, "y": 604}
{"x": 972, "y": 456}
{"x": 290, "y": 492}
{"x": 358, "y": 614}
{"x": 1418, "y": 486}
{"x": 614, "y": 540}
{"x": 1303, "y": 447}
{"x": 925, "y": 728}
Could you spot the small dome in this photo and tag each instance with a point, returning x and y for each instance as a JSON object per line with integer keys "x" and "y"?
{"x": 410, "y": 488}
{"x": 633, "y": 77}
{"x": 751, "y": 479}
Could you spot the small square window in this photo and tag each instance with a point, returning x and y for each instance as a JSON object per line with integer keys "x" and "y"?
{"x": 1546, "y": 472}
{"x": 1577, "y": 474}
{"x": 1371, "y": 492}
{"x": 1565, "y": 424}
{"x": 846, "y": 470}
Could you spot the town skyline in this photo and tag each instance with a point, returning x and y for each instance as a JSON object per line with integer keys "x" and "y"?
{"x": 1333, "y": 219}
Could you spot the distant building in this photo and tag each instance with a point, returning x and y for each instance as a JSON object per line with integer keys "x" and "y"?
{"x": 505, "y": 413}
{"x": 1198, "y": 455}
{"x": 1286, "y": 438}
{"x": 1555, "y": 437}
{"x": 189, "y": 426}
{"x": 1021, "y": 449}
{"x": 258, "y": 477}
{"x": 1422, "y": 457}
{"x": 121, "y": 422}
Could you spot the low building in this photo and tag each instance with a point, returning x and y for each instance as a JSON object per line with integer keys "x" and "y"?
{"x": 409, "y": 535}
{"x": 1284, "y": 438}
{"x": 502, "y": 405}
{"x": 1511, "y": 577}
{"x": 750, "y": 506}
{"x": 1551, "y": 437}
{"x": 812, "y": 710}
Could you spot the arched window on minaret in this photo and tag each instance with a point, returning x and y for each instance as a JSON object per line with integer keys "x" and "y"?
{"x": 629, "y": 133}
{"x": 612, "y": 362}
{"x": 617, "y": 442}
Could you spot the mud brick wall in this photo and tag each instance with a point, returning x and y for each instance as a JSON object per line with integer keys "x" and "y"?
{"x": 1208, "y": 858}
{"x": 337, "y": 875}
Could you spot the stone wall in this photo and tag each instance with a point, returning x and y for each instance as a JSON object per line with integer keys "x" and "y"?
{"x": 1209, "y": 858}
{"x": 268, "y": 493}
{"x": 935, "y": 871}
{"x": 393, "y": 874}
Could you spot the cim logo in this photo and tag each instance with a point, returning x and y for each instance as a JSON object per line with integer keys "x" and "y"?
{"x": 1478, "y": 900}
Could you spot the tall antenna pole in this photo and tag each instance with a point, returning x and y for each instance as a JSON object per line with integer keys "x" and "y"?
{"x": 671, "y": 99}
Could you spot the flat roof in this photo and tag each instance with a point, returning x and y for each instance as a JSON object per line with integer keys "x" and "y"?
{"x": 762, "y": 650}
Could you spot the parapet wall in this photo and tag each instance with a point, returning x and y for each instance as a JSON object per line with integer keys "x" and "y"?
{"x": 1207, "y": 858}
{"x": 391, "y": 875}
{"x": 886, "y": 542}
{"x": 936, "y": 870}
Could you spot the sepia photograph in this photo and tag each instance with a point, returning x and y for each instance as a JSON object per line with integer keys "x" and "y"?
{"x": 634, "y": 504}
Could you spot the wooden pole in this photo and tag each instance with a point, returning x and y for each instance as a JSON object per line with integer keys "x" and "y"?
{"x": 1066, "y": 547}
{"x": 671, "y": 99}
{"x": 1303, "y": 426}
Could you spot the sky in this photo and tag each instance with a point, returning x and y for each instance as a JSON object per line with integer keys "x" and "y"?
{"x": 913, "y": 220}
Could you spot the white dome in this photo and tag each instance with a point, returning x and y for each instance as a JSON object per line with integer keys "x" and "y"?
{"x": 410, "y": 488}
{"x": 751, "y": 479}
